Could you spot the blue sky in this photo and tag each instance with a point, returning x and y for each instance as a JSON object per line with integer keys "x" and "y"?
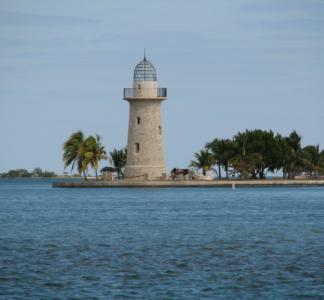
{"x": 228, "y": 65}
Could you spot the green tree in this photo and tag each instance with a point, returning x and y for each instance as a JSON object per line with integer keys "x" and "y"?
{"x": 48, "y": 174}
{"x": 312, "y": 159}
{"x": 256, "y": 153}
{"x": 118, "y": 159}
{"x": 76, "y": 153}
{"x": 38, "y": 172}
{"x": 321, "y": 165}
{"x": 204, "y": 160}
{"x": 18, "y": 173}
{"x": 223, "y": 151}
{"x": 96, "y": 151}
{"x": 282, "y": 154}
{"x": 82, "y": 152}
{"x": 295, "y": 161}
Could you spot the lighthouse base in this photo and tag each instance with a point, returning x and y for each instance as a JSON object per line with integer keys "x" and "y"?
{"x": 145, "y": 172}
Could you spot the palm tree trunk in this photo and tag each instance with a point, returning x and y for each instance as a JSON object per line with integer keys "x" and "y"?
{"x": 292, "y": 171}
{"x": 85, "y": 176}
{"x": 96, "y": 174}
{"x": 219, "y": 172}
{"x": 226, "y": 170}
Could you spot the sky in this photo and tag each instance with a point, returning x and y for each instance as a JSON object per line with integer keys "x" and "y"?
{"x": 229, "y": 65}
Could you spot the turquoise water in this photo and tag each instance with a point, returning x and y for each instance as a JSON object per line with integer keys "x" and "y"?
{"x": 251, "y": 243}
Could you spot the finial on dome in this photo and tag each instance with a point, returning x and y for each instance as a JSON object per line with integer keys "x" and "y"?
{"x": 144, "y": 54}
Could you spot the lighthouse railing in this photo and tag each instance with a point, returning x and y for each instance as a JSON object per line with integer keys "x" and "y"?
{"x": 145, "y": 92}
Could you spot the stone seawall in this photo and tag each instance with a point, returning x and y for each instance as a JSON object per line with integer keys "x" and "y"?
{"x": 185, "y": 184}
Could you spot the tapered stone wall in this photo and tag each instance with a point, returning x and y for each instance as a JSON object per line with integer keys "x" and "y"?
{"x": 145, "y": 153}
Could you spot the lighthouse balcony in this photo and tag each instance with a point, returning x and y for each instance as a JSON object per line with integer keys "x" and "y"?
{"x": 145, "y": 93}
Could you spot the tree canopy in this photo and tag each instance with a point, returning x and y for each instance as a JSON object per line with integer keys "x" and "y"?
{"x": 82, "y": 152}
{"x": 117, "y": 159}
{"x": 203, "y": 160}
{"x": 254, "y": 153}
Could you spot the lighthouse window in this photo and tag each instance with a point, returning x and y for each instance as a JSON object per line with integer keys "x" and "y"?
{"x": 137, "y": 147}
{"x": 138, "y": 120}
{"x": 160, "y": 129}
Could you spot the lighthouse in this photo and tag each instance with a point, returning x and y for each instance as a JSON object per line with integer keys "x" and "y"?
{"x": 145, "y": 151}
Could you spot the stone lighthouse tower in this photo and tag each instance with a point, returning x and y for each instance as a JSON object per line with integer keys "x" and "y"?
{"x": 145, "y": 154}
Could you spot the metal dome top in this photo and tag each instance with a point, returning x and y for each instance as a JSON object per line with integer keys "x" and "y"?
{"x": 144, "y": 71}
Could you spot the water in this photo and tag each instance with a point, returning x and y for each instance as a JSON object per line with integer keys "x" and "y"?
{"x": 251, "y": 243}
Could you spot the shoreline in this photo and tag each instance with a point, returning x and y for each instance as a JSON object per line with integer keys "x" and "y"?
{"x": 55, "y": 177}
{"x": 189, "y": 183}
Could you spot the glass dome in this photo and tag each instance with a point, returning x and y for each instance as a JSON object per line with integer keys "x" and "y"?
{"x": 144, "y": 71}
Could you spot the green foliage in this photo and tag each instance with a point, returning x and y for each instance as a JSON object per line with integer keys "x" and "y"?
{"x": 49, "y": 174}
{"x": 223, "y": 150}
{"x": 38, "y": 172}
{"x": 96, "y": 152}
{"x": 18, "y": 173}
{"x": 257, "y": 150}
{"x": 118, "y": 159}
{"x": 22, "y": 173}
{"x": 81, "y": 152}
{"x": 254, "y": 153}
{"x": 204, "y": 160}
{"x": 313, "y": 159}
{"x": 294, "y": 157}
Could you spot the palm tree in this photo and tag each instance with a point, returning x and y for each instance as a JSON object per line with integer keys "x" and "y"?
{"x": 223, "y": 151}
{"x": 214, "y": 146}
{"x": 82, "y": 152}
{"x": 295, "y": 160}
{"x": 118, "y": 160}
{"x": 321, "y": 166}
{"x": 96, "y": 152}
{"x": 75, "y": 153}
{"x": 204, "y": 160}
{"x": 312, "y": 156}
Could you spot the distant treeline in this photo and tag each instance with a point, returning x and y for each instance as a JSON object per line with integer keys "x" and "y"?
{"x": 254, "y": 153}
{"x": 19, "y": 173}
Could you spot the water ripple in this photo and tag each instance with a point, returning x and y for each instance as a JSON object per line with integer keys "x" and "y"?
{"x": 165, "y": 244}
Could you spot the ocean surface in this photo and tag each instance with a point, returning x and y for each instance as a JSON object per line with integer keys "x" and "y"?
{"x": 214, "y": 243}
